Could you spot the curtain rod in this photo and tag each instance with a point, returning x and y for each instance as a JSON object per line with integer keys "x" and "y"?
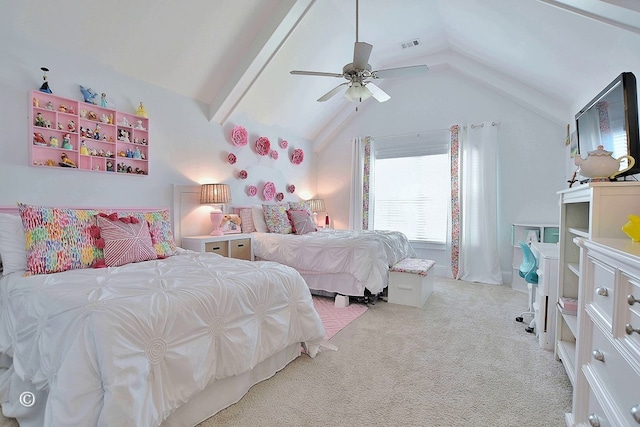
{"x": 416, "y": 134}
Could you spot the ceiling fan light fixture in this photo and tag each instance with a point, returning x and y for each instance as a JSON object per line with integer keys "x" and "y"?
{"x": 357, "y": 92}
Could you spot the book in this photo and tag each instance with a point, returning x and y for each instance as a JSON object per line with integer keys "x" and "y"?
{"x": 568, "y": 304}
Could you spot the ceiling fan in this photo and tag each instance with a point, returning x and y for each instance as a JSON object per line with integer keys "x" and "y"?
{"x": 359, "y": 74}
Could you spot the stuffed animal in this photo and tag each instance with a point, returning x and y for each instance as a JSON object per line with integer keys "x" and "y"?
{"x": 231, "y": 223}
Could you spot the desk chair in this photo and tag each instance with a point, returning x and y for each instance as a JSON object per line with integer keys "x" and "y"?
{"x": 527, "y": 271}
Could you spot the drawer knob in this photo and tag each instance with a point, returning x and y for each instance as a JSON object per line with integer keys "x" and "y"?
{"x": 594, "y": 420}
{"x": 598, "y": 355}
{"x": 629, "y": 329}
{"x": 631, "y": 299}
{"x": 635, "y": 413}
{"x": 603, "y": 292}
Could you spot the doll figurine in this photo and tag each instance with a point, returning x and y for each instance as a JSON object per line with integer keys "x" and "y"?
{"x": 66, "y": 142}
{"x": 103, "y": 100}
{"x": 141, "y": 112}
{"x": 45, "y": 85}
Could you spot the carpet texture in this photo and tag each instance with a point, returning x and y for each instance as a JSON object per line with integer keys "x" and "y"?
{"x": 334, "y": 319}
{"x": 462, "y": 360}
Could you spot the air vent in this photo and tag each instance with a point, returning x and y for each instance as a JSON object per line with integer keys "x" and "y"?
{"x": 410, "y": 43}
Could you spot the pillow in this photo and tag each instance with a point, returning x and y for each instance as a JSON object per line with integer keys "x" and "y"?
{"x": 276, "y": 218}
{"x": 58, "y": 239}
{"x": 126, "y": 240}
{"x": 246, "y": 219}
{"x": 301, "y": 221}
{"x": 12, "y": 244}
{"x": 160, "y": 230}
{"x": 301, "y": 206}
{"x": 258, "y": 219}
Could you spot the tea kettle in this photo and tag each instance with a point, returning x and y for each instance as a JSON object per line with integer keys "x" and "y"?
{"x": 601, "y": 164}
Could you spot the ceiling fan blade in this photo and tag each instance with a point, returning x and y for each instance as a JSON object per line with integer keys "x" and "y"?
{"x": 315, "y": 73}
{"x": 361, "y": 53}
{"x": 332, "y": 92}
{"x": 391, "y": 73}
{"x": 377, "y": 93}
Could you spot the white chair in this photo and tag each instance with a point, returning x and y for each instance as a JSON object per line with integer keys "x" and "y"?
{"x": 527, "y": 271}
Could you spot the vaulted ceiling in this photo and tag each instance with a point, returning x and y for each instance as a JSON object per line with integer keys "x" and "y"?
{"x": 235, "y": 55}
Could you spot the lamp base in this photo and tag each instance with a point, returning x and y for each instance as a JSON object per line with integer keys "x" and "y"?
{"x": 216, "y": 220}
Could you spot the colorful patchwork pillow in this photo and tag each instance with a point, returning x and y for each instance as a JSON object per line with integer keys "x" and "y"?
{"x": 301, "y": 221}
{"x": 246, "y": 218}
{"x": 301, "y": 206}
{"x": 277, "y": 219}
{"x": 58, "y": 239}
{"x": 160, "y": 230}
{"x": 126, "y": 240}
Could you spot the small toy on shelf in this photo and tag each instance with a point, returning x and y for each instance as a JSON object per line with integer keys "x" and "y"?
{"x": 103, "y": 100}
{"x": 60, "y": 126}
{"x": 96, "y": 133}
{"x": 137, "y": 154}
{"x": 84, "y": 150}
{"x": 71, "y": 126}
{"x": 49, "y": 106}
{"x": 50, "y": 162}
{"x": 36, "y": 102}
{"x": 66, "y": 161}
{"x": 38, "y": 139}
{"x": 88, "y": 94}
{"x": 109, "y": 166}
{"x": 139, "y": 125}
{"x": 39, "y": 120}
{"x": 141, "y": 112}
{"x": 104, "y": 118}
{"x": 66, "y": 142}
{"x": 92, "y": 115}
{"x": 62, "y": 108}
{"x": 45, "y": 84}
{"x": 53, "y": 142}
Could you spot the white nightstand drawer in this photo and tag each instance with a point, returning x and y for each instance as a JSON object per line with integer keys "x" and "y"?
{"x": 602, "y": 290}
{"x": 220, "y": 248}
{"x": 241, "y": 249}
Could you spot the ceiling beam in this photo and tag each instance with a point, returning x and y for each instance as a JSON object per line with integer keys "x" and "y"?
{"x": 623, "y": 14}
{"x": 267, "y": 44}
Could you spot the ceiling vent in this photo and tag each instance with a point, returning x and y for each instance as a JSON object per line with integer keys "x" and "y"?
{"x": 410, "y": 43}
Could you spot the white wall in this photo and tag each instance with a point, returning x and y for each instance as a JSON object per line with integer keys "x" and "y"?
{"x": 531, "y": 153}
{"x": 185, "y": 148}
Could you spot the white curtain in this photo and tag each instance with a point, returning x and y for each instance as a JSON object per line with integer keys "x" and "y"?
{"x": 478, "y": 259}
{"x": 360, "y": 172}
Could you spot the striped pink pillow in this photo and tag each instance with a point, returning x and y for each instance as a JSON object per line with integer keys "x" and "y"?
{"x": 126, "y": 240}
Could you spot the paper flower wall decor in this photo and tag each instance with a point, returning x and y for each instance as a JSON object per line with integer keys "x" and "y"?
{"x": 243, "y": 174}
{"x": 291, "y": 188}
{"x": 284, "y": 144}
{"x": 239, "y": 136}
{"x": 252, "y": 190}
{"x": 263, "y": 145}
{"x": 231, "y": 158}
{"x": 269, "y": 191}
{"x": 297, "y": 157}
{"x": 274, "y": 154}
{"x": 279, "y": 197}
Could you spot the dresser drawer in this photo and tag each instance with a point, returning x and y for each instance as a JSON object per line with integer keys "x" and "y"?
{"x": 595, "y": 414}
{"x": 613, "y": 372}
{"x": 220, "y": 248}
{"x": 630, "y": 313}
{"x": 602, "y": 290}
{"x": 241, "y": 249}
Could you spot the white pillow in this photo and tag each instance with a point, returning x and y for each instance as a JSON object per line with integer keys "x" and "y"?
{"x": 12, "y": 244}
{"x": 258, "y": 219}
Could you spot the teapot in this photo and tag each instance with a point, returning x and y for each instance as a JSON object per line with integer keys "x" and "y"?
{"x": 601, "y": 164}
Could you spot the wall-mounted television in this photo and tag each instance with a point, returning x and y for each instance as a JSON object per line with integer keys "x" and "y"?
{"x": 611, "y": 120}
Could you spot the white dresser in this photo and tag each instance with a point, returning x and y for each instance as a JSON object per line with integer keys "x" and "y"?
{"x": 544, "y": 306}
{"x": 607, "y": 385}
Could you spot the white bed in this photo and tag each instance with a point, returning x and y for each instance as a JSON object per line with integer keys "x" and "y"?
{"x": 164, "y": 342}
{"x": 337, "y": 261}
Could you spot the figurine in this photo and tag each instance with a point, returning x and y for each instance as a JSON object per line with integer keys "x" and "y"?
{"x": 83, "y": 113}
{"x": 66, "y": 142}
{"x": 45, "y": 85}
{"x": 111, "y": 118}
{"x": 92, "y": 115}
{"x": 66, "y": 161}
{"x": 88, "y": 94}
{"x": 139, "y": 125}
{"x": 104, "y": 118}
{"x": 125, "y": 122}
{"x": 59, "y": 126}
{"x": 53, "y": 142}
{"x": 49, "y": 106}
{"x": 38, "y": 139}
{"x": 39, "y": 121}
{"x": 141, "y": 112}
{"x": 109, "y": 166}
{"x": 103, "y": 100}
{"x": 36, "y": 102}
{"x": 137, "y": 154}
{"x": 62, "y": 108}
{"x": 83, "y": 148}
{"x": 71, "y": 126}
{"x": 96, "y": 133}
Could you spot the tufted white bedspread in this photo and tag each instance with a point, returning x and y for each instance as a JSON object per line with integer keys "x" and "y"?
{"x": 127, "y": 345}
{"x": 366, "y": 255}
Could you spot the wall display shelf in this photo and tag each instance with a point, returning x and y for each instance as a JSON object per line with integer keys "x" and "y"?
{"x": 590, "y": 211}
{"x": 66, "y": 133}
{"x": 544, "y": 233}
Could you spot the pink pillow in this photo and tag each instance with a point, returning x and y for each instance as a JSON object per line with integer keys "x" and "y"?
{"x": 126, "y": 240}
{"x": 301, "y": 221}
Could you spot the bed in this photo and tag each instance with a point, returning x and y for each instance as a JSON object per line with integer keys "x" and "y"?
{"x": 167, "y": 341}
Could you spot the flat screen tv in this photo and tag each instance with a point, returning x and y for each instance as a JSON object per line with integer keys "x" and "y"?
{"x": 611, "y": 120}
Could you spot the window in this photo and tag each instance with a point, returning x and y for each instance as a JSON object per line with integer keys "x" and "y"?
{"x": 412, "y": 192}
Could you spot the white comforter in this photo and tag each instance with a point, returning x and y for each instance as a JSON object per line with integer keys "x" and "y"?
{"x": 128, "y": 345}
{"x": 366, "y": 255}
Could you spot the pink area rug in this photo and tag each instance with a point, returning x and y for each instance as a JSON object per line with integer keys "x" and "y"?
{"x": 334, "y": 318}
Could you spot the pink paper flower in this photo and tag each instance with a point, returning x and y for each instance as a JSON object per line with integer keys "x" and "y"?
{"x": 284, "y": 144}
{"x": 243, "y": 174}
{"x": 297, "y": 157}
{"x": 231, "y": 158}
{"x": 274, "y": 154}
{"x": 263, "y": 145}
{"x": 269, "y": 191}
{"x": 252, "y": 190}
{"x": 291, "y": 188}
{"x": 239, "y": 136}
{"x": 279, "y": 197}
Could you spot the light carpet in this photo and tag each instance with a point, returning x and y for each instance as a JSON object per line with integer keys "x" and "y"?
{"x": 333, "y": 318}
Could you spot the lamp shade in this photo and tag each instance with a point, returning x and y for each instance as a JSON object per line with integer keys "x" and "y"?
{"x": 317, "y": 205}
{"x": 214, "y": 193}
{"x": 357, "y": 92}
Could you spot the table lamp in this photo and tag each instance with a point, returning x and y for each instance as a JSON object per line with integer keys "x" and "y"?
{"x": 317, "y": 205}
{"x": 215, "y": 194}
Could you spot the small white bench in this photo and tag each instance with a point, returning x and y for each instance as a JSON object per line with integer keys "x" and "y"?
{"x": 411, "y": 282}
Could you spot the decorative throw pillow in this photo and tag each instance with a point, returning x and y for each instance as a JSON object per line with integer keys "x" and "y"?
{"x": 126, "y": 240}
{"x": 258, "y": 219}
{"x": 58, "y": 239}
{"x": 276, "y": 218}
{"x": 12, "y": 244}
{"x": 246, "y": 219}
{"x": 301, "y": 206}
{"x": 301, "y": 221}
{"x": 160, "y": 230}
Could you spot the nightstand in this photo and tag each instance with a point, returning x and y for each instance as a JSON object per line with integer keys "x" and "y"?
{"x": 230, "y": 245}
